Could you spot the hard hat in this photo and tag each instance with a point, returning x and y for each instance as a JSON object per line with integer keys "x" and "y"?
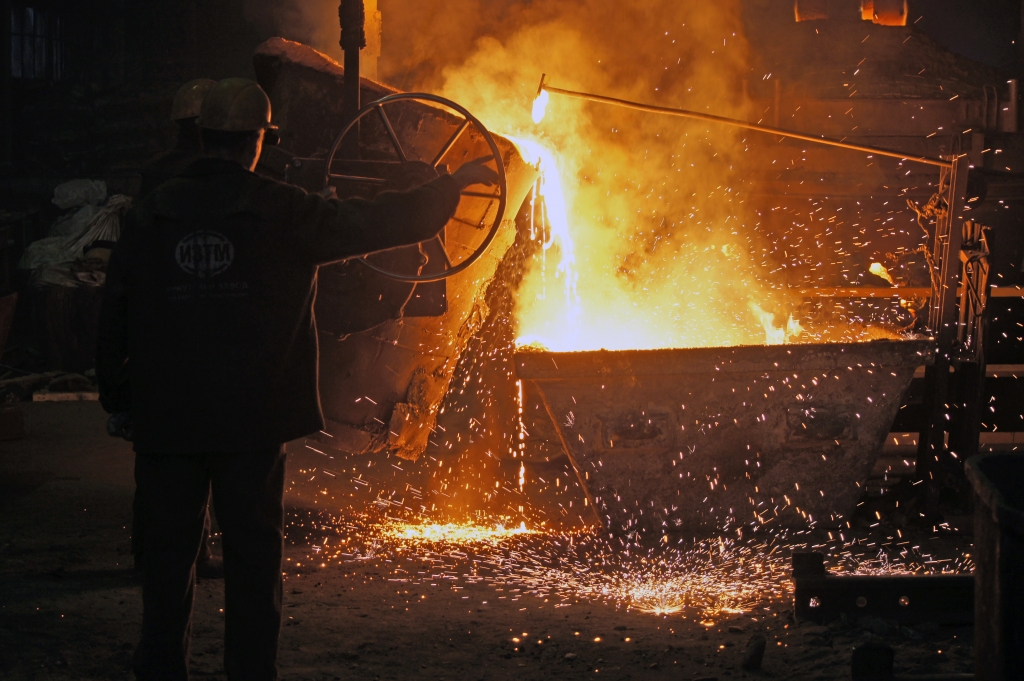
{"x": 236, "y": 105}
{"x": 189, "y": 98}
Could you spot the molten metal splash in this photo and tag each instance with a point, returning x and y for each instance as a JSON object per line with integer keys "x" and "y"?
{"x": 557, "y": 235}
{"x": 540, "y": 106}
{"x": 878, "y": 269}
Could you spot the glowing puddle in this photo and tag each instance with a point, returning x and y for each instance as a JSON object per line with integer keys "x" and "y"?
{"x": 541, "y": 568}
{"x": 453, "y": 533}
{"x": 708, "y": 580}
{"x": 702, "y": 581}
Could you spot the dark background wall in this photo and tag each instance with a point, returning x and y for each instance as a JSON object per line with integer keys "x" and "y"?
{"x": 106, "y": 112}
{"x": 988, "y": 31}
{"x": 104, "y": 109}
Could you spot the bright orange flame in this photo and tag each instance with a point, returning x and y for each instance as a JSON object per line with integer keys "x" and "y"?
{"x": 647, "y": 234}
{"x": 650, "y": 236}
{"x": 776, "y": 335}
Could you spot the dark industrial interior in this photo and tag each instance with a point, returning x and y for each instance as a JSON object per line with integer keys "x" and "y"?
{"x": 716, "y": 371}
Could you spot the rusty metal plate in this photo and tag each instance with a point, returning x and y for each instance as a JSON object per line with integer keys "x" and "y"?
{"x": 706, "y": 439}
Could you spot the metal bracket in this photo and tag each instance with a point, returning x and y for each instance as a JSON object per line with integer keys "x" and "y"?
{"x": 821, "y": 597}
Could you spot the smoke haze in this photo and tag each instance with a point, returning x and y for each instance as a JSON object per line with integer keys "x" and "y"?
{"x": 661, "y": 234}
{"x": 665, "y": 241}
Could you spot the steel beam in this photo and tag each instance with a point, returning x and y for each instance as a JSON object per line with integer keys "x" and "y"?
{"x": 823, "y": 597}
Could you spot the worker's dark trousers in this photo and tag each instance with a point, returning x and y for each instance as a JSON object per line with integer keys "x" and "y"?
{"x": 139, "y": 531}
{"x": 247, "y": 497}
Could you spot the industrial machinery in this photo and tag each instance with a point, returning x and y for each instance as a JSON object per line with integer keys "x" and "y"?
{"x": 411, "y": 164}
{"x": 660, "y": 440}
{"x": 392, "y": 326}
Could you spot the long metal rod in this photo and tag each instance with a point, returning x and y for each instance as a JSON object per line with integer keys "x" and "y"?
{"x": 683, "y": 113}
{"x": 898, "y": 292}
{"x": 572, "y": 459}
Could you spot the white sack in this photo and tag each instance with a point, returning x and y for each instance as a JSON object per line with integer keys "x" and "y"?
{"x": 80, "y": 193}
{"x": 104, "y": 226}
{"x": 73, "y": 223}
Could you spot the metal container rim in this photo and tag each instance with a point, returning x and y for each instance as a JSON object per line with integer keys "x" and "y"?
{"x": 534, "y": 364}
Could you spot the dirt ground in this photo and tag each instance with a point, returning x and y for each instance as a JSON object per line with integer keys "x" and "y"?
{"x": 360, "y": 607}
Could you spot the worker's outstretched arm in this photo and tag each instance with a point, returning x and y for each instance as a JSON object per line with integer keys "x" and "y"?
{"x": 334, "y": 230}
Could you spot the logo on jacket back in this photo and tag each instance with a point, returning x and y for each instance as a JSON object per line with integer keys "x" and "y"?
{"x": 205, "y": 254}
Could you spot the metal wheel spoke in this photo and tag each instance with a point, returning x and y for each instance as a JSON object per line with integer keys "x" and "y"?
{"x": 468, "y": 223}
{"x": 358, "y": 178}
{"x": 391, "y": 133}
{"x": 492, "y": 198}
{"x": 481, "y": 195}
{"x": 447, "y": 260}
{"x": 450, "y": 143}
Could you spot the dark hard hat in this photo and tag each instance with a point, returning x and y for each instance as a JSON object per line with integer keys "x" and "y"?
{"x": 236, "y": 105}
{"x": 189, "y": 99}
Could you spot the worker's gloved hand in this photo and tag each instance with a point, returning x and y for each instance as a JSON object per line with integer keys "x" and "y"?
{"x": 120, "y": 425}
{"x": 475, "y": 172}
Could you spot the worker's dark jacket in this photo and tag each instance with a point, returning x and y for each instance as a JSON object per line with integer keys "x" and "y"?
{"x": 209, "y": 297}
{"x": 167, "y": 165}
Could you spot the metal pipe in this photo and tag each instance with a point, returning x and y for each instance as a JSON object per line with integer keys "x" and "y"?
{"x": 352, "y": 15}
{"x": 897, "y": 292}
{"x": 683, "y": 113}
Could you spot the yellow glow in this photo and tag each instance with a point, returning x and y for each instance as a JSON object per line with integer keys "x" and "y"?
{"x": 648, "y": 232}
{"x": 452, "y": 533}
{"x": 776, "y": 335}
{"x": 878, "y": 269}
{"x": 540, "y": 106}
{"x": 558, "y": 237}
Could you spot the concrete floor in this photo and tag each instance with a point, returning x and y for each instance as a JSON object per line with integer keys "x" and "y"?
{"x": 70, "y": 605}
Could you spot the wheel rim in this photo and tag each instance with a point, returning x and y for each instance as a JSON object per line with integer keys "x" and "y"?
{"x": 468, "y": 121}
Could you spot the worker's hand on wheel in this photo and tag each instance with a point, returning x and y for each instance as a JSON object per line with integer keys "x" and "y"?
{"x": 475, "y": 172}
{"x": 328, "y": 192}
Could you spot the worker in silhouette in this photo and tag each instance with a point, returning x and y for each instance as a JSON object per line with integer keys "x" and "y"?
{"x": 187, "y": 149}
{"x": 208, "y": 305}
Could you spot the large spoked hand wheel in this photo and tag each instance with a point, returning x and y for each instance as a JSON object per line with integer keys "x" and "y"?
{"x": 416, "y": 162}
